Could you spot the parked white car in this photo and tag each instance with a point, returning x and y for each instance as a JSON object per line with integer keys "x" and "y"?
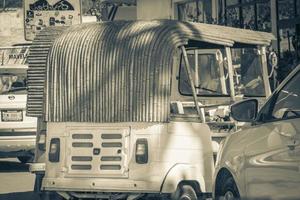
{"x": 17, "y": 131}
{"x": 263, "y": 160}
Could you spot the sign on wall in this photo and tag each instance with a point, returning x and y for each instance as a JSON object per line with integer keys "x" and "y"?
{"x": 44, "y": 13}
{"x": 13, "y": 55}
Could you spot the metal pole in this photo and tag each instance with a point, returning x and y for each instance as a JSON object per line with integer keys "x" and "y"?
{"x": 196, "y": 69}
{"x": 263, "y": 60}
{"x": 188, "y": 71}
{"x": 4, "y": 5}
{"x": 230, "y": 72}
{"x": 222, "y": 73}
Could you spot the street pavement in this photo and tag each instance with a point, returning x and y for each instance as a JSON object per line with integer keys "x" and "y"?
{"x": 16, "y": 183}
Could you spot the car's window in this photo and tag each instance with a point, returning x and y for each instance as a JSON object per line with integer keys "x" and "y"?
{"x": 285, "y": 104}
{"x": 13, "y": 83}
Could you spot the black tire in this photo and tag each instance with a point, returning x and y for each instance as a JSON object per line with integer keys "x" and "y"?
{"x": 25, "y": 159}
{"x": 185, "y": 192}
{"x": 38, "y": 182}
{"x": 229, "y": 190}
{"x": 164, "y": 197}
{"x": 47, "y": 195}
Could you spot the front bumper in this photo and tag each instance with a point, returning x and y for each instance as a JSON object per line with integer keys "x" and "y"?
{"x": 17, "y": 141}
{"x": 100, "y": 185}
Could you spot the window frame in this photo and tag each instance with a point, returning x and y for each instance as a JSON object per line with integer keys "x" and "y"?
{"x": 240, "y": 6}
{"x": 257, "y": 49}
{"x": 199, "y": 95}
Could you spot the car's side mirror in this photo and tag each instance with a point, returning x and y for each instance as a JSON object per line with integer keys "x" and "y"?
{"x": 244, "y": 111}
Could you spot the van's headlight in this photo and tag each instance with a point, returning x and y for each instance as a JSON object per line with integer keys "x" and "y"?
{"x": 141, "y": 151}
{"x": 54, "y": 150}
{"x": 42, "y": 140}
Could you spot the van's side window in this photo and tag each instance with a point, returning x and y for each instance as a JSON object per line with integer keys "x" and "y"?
{"x": 206, "y": 73}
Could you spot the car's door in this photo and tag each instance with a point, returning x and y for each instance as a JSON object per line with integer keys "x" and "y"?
{"x": 272, "y": 167}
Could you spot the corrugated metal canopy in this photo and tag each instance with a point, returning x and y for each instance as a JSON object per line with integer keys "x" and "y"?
{"x": 224, "y": 35}
{"x": 121, "y": 71}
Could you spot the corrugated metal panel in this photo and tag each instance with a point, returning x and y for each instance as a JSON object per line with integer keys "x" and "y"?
{"x": 224, "y": 34}
{"x": 37, "y": 60}
{"x": 111, "y": 72}
{"x": 121, "y": 71}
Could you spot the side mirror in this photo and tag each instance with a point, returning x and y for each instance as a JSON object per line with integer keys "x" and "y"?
{"x": 244, "y": 111}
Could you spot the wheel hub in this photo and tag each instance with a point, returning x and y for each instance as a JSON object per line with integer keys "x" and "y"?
{"x": 229, "y": 196}
{"x": 185, "y": 197}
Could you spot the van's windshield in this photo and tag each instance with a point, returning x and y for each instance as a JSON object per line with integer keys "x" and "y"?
{"x": 13, "y": 83}
{"x": 210, "y": 73}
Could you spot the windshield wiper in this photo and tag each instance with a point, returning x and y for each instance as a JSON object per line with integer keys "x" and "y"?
{"x": 203, "y": 88}
{"x": 15, "y": 89}
{"x": 207, "y": 89}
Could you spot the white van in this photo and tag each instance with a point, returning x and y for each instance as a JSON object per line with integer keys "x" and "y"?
{"x": 121, "y": 110}
{"x": 17, "y": 131}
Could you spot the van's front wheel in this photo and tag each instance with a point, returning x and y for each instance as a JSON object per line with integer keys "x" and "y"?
{"x": 229, "y": 190}
{"x": 185, "y": 192}
{"x": 47, "y": 195}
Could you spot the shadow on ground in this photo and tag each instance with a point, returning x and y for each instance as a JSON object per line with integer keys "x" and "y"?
{"x": 12, "y": 166}
{"x": 20, "y": 196}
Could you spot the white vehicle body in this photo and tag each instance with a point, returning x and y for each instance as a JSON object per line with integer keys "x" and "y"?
{"x": 145, "y": 132}
{"x": 263, "y": 160}
{"x": 17, "y": 131}
{"x": 177, "y": 151}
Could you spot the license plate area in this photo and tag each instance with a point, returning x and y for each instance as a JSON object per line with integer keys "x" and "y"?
{"x": 11, "y": 115}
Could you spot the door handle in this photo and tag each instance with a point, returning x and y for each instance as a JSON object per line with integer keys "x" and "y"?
{"x": 293, "y": 140}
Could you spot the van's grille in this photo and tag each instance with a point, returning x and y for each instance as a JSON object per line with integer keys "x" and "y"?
{"x": 82, "y": 144}
{"x": 110, "y": 167}
{"x": 81, "y": 167}
{"x": 82, "y": 136}
{"x": 111, "y": 158}
{"x": 98, "y": 153}
{"x": 82, "y": 158}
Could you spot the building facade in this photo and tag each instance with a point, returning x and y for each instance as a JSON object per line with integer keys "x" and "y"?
{"x": 280, "y": 17}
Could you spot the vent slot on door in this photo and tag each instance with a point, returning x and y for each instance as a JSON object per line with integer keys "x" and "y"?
{"x": 98, "y": 152}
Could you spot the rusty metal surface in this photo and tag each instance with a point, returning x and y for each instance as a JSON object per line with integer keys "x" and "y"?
{"x": 117, "y": 71}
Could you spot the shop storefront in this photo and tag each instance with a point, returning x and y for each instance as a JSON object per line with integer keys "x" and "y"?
{"x": 203, "y": 11}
